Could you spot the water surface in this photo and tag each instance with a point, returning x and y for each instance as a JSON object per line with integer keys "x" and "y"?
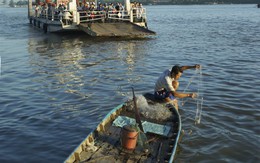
{"x": 55, "y": 88}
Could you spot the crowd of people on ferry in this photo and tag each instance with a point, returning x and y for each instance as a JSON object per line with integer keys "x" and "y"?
{"x": 86, "y": 9}
{"x": 49, "y": 9}
{"x": 118, "y": 6}
{"x": 116, "y": 10}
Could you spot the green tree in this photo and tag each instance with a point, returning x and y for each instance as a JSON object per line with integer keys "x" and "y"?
{"x": 11, "y": 3}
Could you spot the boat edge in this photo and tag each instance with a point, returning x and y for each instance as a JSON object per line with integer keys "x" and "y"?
{"x": 79, "y": 146}
{"x": 178, "y": 136}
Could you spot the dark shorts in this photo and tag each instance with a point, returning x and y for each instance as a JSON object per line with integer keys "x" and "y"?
{"x": 163, "y": 94}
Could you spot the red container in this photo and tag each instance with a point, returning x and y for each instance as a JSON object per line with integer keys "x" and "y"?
{"x": 129, "y": 137}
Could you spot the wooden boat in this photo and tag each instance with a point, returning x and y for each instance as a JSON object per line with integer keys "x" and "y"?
{"x": 105, "y": 143}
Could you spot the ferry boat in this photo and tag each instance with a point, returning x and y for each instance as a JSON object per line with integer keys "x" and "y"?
{"x": 90, "y": 16}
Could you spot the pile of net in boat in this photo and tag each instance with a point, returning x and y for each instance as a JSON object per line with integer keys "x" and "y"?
{"x": 156, "y": 112}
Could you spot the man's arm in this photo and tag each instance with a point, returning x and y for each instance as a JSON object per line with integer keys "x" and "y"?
{"x": 189, "y": 67}
{"x": 183, "y": 95}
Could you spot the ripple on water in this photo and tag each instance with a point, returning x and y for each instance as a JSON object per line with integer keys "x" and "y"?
{"x": 55, "y": 88}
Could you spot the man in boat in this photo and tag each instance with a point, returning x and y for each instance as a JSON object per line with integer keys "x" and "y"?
{"x": 167, "y": 84}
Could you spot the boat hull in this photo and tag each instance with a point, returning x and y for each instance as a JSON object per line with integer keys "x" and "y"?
{"x": 103, "y": 143}
{"x": 52, "y": 26}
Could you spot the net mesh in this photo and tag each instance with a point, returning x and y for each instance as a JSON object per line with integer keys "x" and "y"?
{"x": 199, "y": 98}
{"x": 155, "y": 111}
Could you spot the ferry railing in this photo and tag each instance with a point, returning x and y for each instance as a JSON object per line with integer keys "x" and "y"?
{"x": 54, "y": 15}
{"x": 92, "y": 16}
{"x": 119, "y": 15}
{"x": 135, "y": 15}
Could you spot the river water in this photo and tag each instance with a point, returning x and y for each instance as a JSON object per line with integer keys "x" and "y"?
{"x": 55, "y": 88}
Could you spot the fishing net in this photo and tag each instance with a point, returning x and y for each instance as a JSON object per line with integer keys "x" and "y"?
{"x": 199, "y": 98}
{"x": 156, "y": 112}
{"x": 196, "y": 79}
{"x": 141, "y": 139}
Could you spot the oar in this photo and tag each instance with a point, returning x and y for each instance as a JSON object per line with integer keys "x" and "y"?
{"x": 137, "y": 114}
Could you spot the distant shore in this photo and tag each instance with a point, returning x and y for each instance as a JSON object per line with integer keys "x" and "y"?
{"x": 158, "y": 3}
{"x": 170, "y": 3}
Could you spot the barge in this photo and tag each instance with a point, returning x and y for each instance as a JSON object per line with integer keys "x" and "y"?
{"x": 91, "y": 17}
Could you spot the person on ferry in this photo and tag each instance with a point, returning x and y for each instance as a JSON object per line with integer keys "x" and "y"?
{"x": 167, "y": 84}
{"x": 61, "y": 8}
{"x": 86, "y": 7}
{"x": 80, "y": 7}
{"x": 111, "y": 7}
{"x": 37, "y": 10}
{"x": 100, "y": 7}
{"x": 121, "y": 7}
{"x": 92, "y": 6}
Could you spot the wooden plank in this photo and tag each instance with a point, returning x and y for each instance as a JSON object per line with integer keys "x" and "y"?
{"x": 103, "y": 159}
{"x": 102, "y": 152}
{"x": 131, "y": 161}
{"x": 165, "y": 151}
{"x": 107, "y": 141}
{"x": 154, "y": 148}
{"x": 112, "y": 135}
{"x": 146, "y": 160}
{"x": 77, "y": 157}
{"x": 86, "y": 154}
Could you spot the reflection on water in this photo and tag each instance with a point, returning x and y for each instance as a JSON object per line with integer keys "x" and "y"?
{"x": 56, "y": 62}
{"x": 78, "y": 65}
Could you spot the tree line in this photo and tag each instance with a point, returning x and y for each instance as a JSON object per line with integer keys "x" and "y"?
{"x": 183, "y": 2}
{"x": 19, "y": 3}
{"x": 177, "y": 2}
{"x": 215, "y": 1}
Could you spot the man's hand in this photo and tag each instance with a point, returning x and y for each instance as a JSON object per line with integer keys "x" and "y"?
{"x": 193, "y": 95}
{"x": 197, "y": 66}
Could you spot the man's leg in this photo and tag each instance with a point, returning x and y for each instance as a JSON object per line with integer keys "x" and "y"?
{"x": 171, "y": 99}
{"x": 175, "y": 103}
